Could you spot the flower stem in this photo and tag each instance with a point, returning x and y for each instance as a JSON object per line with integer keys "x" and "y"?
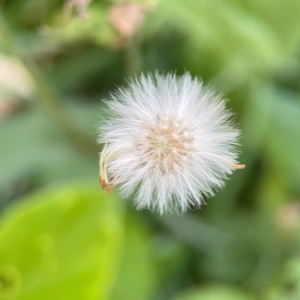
{"x": 46, "y": 95}
{"x": 133, "y": 61}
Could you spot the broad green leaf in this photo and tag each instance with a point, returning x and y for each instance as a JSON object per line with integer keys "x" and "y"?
{"x": 152, "y": 265}
{"x": 61, "y": 244}
{"x": 214, "y": 293}
{"x": 138, "y": 277}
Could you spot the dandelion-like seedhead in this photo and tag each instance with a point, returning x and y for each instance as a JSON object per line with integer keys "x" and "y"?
{"x": 168, "y": 142}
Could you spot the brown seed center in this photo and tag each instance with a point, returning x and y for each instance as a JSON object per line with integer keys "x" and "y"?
{"x": 167, "y": 143}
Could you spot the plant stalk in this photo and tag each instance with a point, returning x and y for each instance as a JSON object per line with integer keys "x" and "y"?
{"x": 46, "y": 95}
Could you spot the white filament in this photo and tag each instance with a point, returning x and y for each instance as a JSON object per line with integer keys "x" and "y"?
{"x": 169, "y": 142}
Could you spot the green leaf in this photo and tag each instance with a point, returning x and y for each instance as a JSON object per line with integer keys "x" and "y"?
{"x": 31, "y": 143}
{"x": 282, "y": 146}
{"x": 138, "y": 277}
{"x": 214, "y": 293}
{"x": 60, "y": 245}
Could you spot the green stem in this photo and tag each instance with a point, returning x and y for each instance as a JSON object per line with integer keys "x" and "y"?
{"x": 133, "y": 61}
{"x": 46, "y": 95}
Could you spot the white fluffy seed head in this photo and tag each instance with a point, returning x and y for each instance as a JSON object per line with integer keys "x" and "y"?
{"x": 169, "y": 142}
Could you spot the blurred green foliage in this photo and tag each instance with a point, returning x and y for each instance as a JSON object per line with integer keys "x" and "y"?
{"x": 77, "y": 242}
{"x": 59, "y": 240}
{"x": 214, "y": 293}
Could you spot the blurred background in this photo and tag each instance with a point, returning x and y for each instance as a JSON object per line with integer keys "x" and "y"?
{"x": 61, "y": 236}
